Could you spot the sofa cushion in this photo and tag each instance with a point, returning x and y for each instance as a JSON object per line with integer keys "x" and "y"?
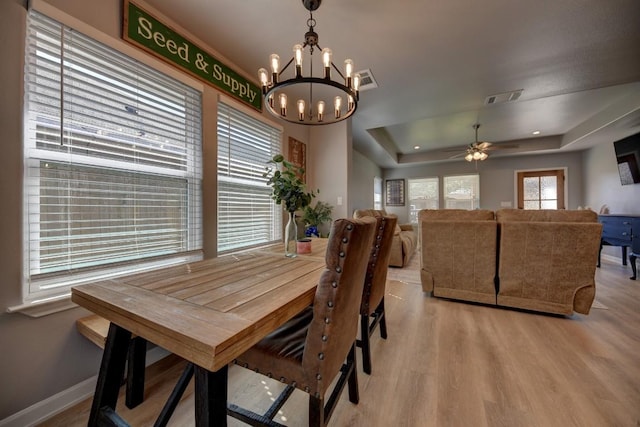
{"x": 546, "y": 215}
{"x": 455, "y": 215}
{"x": 458, "y": 259}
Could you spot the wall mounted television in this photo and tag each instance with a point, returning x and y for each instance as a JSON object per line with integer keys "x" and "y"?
{"x": 628, "y": 156}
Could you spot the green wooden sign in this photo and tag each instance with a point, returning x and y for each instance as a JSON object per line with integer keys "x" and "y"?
{"x": 143, "y": 30}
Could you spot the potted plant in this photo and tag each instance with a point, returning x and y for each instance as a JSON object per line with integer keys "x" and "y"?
{"x": 315, "y": 216}
{"x": 289, "y": 191}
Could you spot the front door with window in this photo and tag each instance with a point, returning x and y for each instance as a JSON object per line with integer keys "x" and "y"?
{"x": 541, "y": 189}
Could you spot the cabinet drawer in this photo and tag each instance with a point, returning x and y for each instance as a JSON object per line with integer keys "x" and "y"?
{"x": 616, "y": 231}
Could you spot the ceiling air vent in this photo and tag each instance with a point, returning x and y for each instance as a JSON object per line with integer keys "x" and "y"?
{"x": 503, "y": 97}
{"x": 366, "y": 80}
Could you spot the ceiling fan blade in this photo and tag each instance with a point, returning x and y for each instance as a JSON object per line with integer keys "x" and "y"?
{"x": 455, "y": 156}
{"x": 503, "y": 147}
{"x": 483, "y": 145}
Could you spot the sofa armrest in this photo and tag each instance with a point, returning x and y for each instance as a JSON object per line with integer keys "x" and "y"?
{"x": 406, "y": 227}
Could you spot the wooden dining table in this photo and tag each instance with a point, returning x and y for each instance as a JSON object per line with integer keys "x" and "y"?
{"x": 208, "y": 312}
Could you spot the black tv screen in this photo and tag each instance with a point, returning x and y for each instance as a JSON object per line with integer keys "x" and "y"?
{"x": 628, "y": 156}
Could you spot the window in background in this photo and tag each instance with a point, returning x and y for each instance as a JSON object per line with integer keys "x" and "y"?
{"x": 462, "y": 192}
{"x": 541, "y": 189}
{"x": 377, "y": 193}
{"x": 424, "y": 193}
{"x": 112, "y": 163}
{"x": 247, "y": 216}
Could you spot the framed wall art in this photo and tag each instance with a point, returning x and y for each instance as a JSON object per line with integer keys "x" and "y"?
{"x": 298, "y": 156}
{"x": 394, "y": 192}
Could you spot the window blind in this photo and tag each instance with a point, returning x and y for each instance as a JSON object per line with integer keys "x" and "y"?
{"x": 247, "y": 216}
{"x": 113, "y": 161}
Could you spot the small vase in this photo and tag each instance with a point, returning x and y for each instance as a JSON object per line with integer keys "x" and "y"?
{"x": 291, "y": 237}
{"x": 312, "y": 230}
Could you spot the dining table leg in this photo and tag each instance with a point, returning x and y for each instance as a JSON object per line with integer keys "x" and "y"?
{"x": 211, "y": 397}
{"x": 111, "y": 375}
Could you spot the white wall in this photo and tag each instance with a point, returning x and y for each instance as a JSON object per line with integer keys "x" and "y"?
{"x": 603, "y": 185}
{"x": 331, "y": 164}
{"x": 361, "y": 185}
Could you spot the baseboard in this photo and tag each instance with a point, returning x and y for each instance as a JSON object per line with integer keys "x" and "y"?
{"x": 57, "y": 403}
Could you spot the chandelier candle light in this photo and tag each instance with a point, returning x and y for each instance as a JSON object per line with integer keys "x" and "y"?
{"x": 277, "y": 92}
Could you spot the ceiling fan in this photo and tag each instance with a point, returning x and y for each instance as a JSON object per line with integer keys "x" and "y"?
{"x": 478, "y": 150}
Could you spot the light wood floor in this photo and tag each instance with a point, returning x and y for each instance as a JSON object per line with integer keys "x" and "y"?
{"x": 449, "y": 363}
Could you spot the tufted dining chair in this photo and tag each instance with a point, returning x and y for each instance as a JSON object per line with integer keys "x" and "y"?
{"x": 372, "y": 305}
{"x": 311, "y": 349}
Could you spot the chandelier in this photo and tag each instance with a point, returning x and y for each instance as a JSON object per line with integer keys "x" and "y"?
{"x": 477, "y": 150}
{"x": 312, "y": 94}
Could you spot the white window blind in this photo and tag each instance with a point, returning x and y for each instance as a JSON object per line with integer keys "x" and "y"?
{"x": 424, "y": 193}
{"x": 113, "y": 162}
{"x": 247, "y": 216}
{"x": 462, "y": 192}
{"x": 377, "y": 193}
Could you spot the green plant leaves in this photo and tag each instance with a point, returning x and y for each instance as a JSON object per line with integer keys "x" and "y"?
{"x": 287, "y": 187}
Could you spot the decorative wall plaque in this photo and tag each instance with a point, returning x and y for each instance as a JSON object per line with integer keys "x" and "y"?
{"x": 395, "y": 192}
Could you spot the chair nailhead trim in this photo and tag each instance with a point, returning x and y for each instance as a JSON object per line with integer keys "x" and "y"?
{"x": 345, "y": 240}
{"x": 306, "y": 389}
{"x": 349, "y": 226}
{"x": 283, "y": 379}
{"x": 318, "y": 377}
{"x": 325, "y": 338}
{"x": 330, "y": 303}
{"x": 321, "y": 356}
{"x": 334, "y": 284}
{"x": 341, "y": 254}
{"x": 339, "y": 269}
{"x": 327, "y": 320}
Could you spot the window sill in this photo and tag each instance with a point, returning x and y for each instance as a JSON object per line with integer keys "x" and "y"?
{"x": 44, "y": 308}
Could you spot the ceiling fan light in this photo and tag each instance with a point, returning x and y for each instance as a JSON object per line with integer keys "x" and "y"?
{"x": 477, "y": 155}
{"x": 468, "y": 157}
{"x": 483, "y": 155}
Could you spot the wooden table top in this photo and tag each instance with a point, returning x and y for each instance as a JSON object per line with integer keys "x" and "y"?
{"x": 208, "y": 312}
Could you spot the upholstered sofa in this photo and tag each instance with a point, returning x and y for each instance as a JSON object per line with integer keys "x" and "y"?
{"x": 535, "y": 260}
{"x": 405, "y": 239}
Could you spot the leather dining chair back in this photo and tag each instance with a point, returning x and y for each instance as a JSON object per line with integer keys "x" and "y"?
{"x": 372, "y": 305}
{"x": 309, "y": 351}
